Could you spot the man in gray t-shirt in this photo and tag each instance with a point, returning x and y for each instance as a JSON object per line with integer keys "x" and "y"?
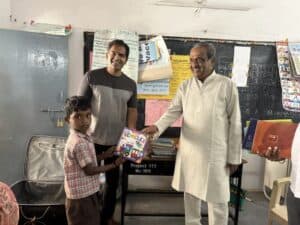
{"x": 113, "y": 99}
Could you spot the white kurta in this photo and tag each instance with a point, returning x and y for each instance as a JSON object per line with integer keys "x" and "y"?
{"x": 295, "y": 174}
{"x": 210, "y": 136}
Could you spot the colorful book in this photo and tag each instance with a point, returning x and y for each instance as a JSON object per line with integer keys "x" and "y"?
{"x": 274, "y": 134}
{"x": 132, "y": 144}
{"x": 251, "y": 127}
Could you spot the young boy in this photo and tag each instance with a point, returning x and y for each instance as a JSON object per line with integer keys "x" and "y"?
{"x": 80, "y": 165}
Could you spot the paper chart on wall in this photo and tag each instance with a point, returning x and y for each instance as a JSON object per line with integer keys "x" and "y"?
{"x": 101, "y": 40}
{"x": 148, "y": 51}
{"x": 240, "y": 67}
{"x": 181, "y": 72}
{"x": 290, "y": 85}
{"x": 154, "y": 109}
{"x": 158, "y": 87}
{"x": 156, "y": 69}
{"x": 294, "y": 49}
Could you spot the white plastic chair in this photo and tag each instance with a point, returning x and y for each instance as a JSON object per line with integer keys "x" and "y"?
{"x": 277, "y": 211}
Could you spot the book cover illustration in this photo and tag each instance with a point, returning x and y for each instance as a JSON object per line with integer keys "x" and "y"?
{"x": 251, "y": 127}
{"x": 132, "y": 144}
{"x": 274, "y": 134}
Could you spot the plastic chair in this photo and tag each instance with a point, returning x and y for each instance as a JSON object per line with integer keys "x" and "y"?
{"x": 277, "y": 211}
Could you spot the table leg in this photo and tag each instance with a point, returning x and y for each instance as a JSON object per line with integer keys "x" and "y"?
{"x": 123, "y": 194}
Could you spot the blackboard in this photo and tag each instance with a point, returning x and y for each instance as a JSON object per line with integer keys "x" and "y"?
{"x": 261, "y": 98}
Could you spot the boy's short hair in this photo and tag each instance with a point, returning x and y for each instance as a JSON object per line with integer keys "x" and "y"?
{"x": 76, "y": 103}
{"x": 121, "y": 43}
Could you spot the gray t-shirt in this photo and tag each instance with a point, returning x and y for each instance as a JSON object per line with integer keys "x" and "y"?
{"x": 110, "y": 98}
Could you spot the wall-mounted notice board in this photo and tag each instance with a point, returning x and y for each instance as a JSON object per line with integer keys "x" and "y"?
{"x": 261, "y": 98}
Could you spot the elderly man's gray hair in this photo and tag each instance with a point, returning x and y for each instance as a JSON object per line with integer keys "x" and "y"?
{"x": 211, "y": 50}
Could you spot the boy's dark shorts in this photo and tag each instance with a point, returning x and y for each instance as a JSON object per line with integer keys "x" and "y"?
{"x": 83, "y": 211}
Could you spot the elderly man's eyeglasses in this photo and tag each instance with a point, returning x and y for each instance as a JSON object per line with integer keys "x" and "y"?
{"x": 198, "y": 60}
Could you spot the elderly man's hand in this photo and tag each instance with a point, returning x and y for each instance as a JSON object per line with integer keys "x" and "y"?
{"x": 151, "y": 130}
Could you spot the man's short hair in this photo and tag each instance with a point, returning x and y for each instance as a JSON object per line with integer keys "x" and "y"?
{"x": 211, "y": 50}
{"x": 76, "y": 103}
{"x": 119, "y": 42}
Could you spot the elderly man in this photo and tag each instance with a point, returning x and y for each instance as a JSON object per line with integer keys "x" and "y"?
{"x": 210, "y": 140}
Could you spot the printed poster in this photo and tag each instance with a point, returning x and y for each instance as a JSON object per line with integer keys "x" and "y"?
{"x": 156, "y": 69}
{"x": 290, "y": 85}
{"x": 240, "y": 69}
{"x": 294, "y": 49}
{"x": 154, "y": 109}
{"x": 157, "y": 87}
{"x": 181, "y": 72}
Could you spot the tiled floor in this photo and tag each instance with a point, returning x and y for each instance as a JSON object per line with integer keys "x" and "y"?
{"x": 253, "y": 213}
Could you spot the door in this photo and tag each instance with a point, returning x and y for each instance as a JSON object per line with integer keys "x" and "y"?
{"x": 33, "y": 87}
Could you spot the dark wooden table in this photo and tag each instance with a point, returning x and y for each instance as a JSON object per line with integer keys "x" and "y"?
{"x": 165, "y": 167}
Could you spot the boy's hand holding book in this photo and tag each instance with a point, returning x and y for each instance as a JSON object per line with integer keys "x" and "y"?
{"x": 120, "y": 160}
{"x": 109, "y": 152}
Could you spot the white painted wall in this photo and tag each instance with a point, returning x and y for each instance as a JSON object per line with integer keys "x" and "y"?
{"x": 253, "y": 172}
{"x": 271, "y": 20}
{"x": 4, "y": 13}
